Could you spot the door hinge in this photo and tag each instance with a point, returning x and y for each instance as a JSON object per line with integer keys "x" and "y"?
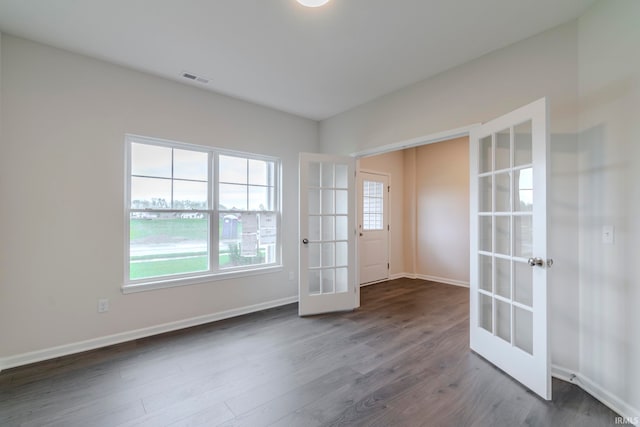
{"x": 387, "y": 266}
{"x": 388, "y": 227}
{"x": 388, "y": 188}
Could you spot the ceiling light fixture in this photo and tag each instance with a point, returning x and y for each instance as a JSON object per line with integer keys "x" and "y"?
{"x": 313, "y": 3}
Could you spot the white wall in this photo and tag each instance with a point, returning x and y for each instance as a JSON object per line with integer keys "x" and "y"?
{"x": 61, "y": 190}
{"x": 609, "y": 165}
{"x": 544, "y": 65}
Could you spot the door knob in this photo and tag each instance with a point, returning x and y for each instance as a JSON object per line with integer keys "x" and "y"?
{"x": 536, "y": 262}
{"x": 539, "y": 262}
{"x": 305, "y": 241}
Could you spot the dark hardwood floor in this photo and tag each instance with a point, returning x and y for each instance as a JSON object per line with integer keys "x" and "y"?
{"x": 402, "y": 359}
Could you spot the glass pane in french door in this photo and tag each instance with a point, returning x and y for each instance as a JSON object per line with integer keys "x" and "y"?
{"x": 328, "y": 209}
{"x": 505, "y": 200}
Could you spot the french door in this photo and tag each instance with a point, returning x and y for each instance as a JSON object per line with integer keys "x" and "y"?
{"x": 327, "y": 234}
{"x": 508, "y": 292}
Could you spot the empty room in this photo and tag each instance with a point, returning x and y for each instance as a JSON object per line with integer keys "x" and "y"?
{"x": 319, "y": 212}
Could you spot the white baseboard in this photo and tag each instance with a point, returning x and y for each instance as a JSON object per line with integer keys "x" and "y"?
{"x": 444, "y": 280}
{"x": 78, "y": 347}
{"x": 615, "y": 403}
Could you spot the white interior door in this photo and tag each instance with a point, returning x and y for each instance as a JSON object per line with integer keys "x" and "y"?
{"x": 508, "y": 179}
{"x": 373, "y": 227}
{"x": 327, "y": 234}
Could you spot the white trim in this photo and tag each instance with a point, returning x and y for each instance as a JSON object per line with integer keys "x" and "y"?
{"x": 442, "y": 280}
{"x": 212, "y": 212}
{"x": 94, "y": 343}
{"x": 613, "y": 402}
{"x": 375, "y": 282}
{"x": 163, "y": 282}
{"x": 418, "y": 141}
{"x": 386, "y": 215}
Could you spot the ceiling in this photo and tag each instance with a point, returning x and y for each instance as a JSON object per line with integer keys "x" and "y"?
{"x": 313, "y": 62}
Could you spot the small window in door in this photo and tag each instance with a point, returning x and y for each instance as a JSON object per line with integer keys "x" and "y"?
{"x": 372, "y": 205}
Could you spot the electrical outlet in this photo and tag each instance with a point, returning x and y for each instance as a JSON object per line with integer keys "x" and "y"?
{"x": 103, "y": 305}
{"x": 291, "y": 275}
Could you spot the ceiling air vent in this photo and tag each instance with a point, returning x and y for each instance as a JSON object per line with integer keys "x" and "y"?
{"x": 195, "y": 78}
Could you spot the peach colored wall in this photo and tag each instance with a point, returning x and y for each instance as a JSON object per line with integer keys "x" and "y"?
{"x": 392, "y": 164}
{"x": 442, "y": 206}
{"x": 429, "y": 209}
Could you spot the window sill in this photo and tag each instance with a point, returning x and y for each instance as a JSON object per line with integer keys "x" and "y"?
{"x": 164, "y": 283}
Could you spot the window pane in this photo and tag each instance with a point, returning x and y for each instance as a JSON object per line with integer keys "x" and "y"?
{"x": 167, "y": 245}
{"x": 486, "y": 154}
{"x": 328, "y": 279}
{"x": 233, "y": 197}
{"x": 372, "y": 205}
{"x": 150, "y": 160}
{"x": 342, "y": 202}
{"x": 246, "y": 239}
{"x": 342, "y": 176}
{"x": 314, "y": 174}
{"x": 523, "y": 329}
{"x": 327, "y": 202}
{"x": 485, "y": 264}
{"x": 260, "y": 198}
{"x": 341, "y": 228}
{"x": 150, "y": 193}
{"x": 328, "y": 228}
{"x": 176, "y": 242}
{"x": 328, "y": 254}
{"x": 503, "y": 149}
{"x": 503, "y": 277}
{"x": 342, "y": 253}
{"x": 232, "y": 169}
{"x": 523, "y": 190}
{"x": 484, "y": 232}
{"x": 523, "y": 137}
{"x": 485, "y": 312}
{"x": 314, "y": 228}
{"x": 190, "y": 165}
{"x": 260, "y": 172}
{"x": 314, "y": 202}
{"x": 485, "y": 192}
{"x": 503, "y": 192}
{"x": 503, "y": 235}
{"x": 190, "y": 195}
{"x": 342, "y": 280}
{"x": 327, "y": 175}
{"x": 503, "y": 320}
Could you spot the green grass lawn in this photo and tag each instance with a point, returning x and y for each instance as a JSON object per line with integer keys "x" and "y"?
{"x": 191, "y": 229}
{"x": 154, "y": 231}
{"x": 140, "y": 270}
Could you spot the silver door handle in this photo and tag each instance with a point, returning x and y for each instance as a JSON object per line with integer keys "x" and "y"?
{"x": 305, "y": 241}
{"x": 533, "y": 262}
{"x": 536, "y": 262}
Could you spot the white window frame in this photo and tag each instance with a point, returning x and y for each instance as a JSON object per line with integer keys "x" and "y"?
{"x": 213, "y": 211}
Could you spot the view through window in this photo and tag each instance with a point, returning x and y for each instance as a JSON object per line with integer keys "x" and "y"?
{"x": 196, "y": 210}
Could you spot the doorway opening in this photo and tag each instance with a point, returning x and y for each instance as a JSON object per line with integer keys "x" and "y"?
{"x": 427, "y": 226}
